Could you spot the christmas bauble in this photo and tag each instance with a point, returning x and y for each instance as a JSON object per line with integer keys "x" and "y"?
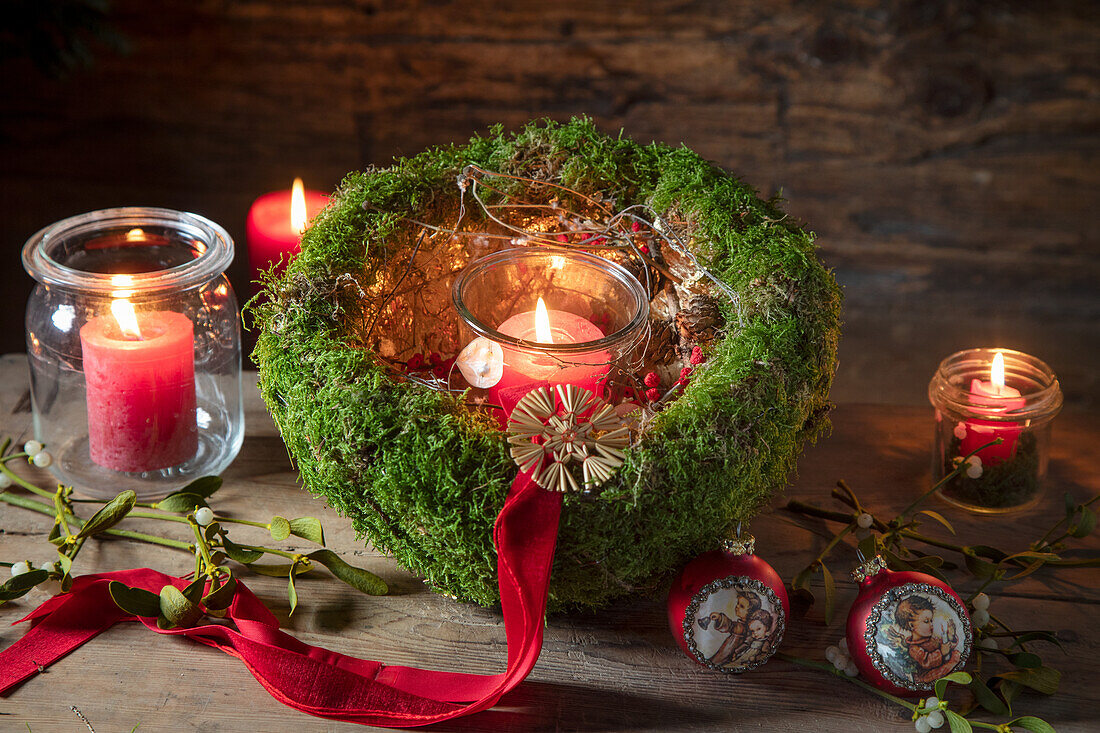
{"x": 906, "y": 629}
{"x": 728, "y": 609}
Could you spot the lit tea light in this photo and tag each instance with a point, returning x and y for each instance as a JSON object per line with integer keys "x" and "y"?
{"x": 976, "y": 432}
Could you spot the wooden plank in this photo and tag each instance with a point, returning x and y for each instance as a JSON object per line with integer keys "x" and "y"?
{"x": 613, "y": 669}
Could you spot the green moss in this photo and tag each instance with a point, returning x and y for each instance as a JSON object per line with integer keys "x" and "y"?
{"x": 423, "y": 477}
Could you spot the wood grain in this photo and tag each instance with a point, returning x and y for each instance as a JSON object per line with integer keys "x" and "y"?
{"x": 613, "y": 670}
{"x": 945, "y": 153}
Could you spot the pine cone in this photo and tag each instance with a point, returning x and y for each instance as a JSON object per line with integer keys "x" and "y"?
{"x": 699, "y": 320}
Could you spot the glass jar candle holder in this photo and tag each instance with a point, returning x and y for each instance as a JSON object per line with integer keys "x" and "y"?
{"x": 976, "y": 404}
{"x": 133, "y": 338}
{"x": 547, "y": 314}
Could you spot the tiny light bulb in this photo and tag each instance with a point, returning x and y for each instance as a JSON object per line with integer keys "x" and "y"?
{"x": 298, "y": 216}
{"x": 543, "y": 334}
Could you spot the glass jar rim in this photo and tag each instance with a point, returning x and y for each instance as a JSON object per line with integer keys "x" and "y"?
{"x": 211, "y": 262}
{"x": 949, "y": 387}
{"x": 631, "y": 330}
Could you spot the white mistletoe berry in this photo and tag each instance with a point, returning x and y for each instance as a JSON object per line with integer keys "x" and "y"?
{"x": 974, "y": 469}
{"x": 204, "y": 515}
{"x": 19, "y": 568}
{"x": 935, "y": 719}
{"x": 865, "y": 520}
{"x": 981, "y": 602}
{"x": 32, "y": 447}
{"x": 5, "y": 481}
{"x": 980, "y": 618}
{"x": 51, "y": 586}
{"x": 851, "y": 670}
{"x": 831, "y": 653}
{"x": 42, "y": 459}
{"x": 960, "y": 430}
{"x": 932, "y": 703}
{"x": 922, "y": 725}
{"x": 989, "y": 643}
{"x": 47, "y": 565}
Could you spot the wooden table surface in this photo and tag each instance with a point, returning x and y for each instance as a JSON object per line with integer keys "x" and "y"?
{"x": 613, "y": 670}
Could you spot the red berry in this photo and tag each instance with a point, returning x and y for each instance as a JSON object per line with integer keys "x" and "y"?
{"x": 697, "y": 357}
{"x": 652, "y": 380}
{"x": 435, "y": 359}
{"x": 600, "y": 241}
{"x": 653, "y": 394}
{"x": 685, "y": 373}
{"x": 644, "y": 249}
{"x": 563, "y": 237}
{"x": 416, "y": 361}
{"x": 635, "y": 226}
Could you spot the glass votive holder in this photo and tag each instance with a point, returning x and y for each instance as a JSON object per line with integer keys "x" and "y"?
{"x": 133, "y": 338}
{"x": 976, "y": 403}
{"x": 596, "y": 317}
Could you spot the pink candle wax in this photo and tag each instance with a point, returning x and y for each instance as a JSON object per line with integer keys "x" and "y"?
{"x": 272, "y": 237}
{"x": 979, "y": 432}
{"x": 522, "y": 367}
{"x": 141, "y": 392}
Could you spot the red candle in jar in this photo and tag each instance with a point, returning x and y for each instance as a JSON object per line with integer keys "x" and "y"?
{"x": 140, "y": 374}
{"x": 275, "y": 225}
{"x": 543, "y": 326}
{"x": 976, "y": 432}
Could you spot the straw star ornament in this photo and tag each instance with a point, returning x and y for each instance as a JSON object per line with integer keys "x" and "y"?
{"x": 553, "y": 432}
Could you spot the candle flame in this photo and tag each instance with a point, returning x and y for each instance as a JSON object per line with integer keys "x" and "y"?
{"x": 298, "y": 217}
{"x": 135, "y": 235}
{"x": 123, "y": 311}
{"x": 542, "y": 324}
{"x": 997, "y": 373}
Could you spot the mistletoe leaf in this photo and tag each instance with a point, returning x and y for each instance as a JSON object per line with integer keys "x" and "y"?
{"x": 961, "y": 678}
{"x": 291, "y": 592}
{"x": 55, "y": 534}
{"x": 363, "y": 581}
{"x": 109, "y": 514}
{"x": 1026, "y": 660}
{"x": 986, "y": 697}
{"x": 279, "y": 528}
{"x": 1040, "y": 679}
{"x": 939, "y": 518}
{"x": 308, "y": 528}
{"x": 240, "y": 554}
{"x": 958, "y": 723}
{"x": 1085, "y": 523}
{"x": 830, "y": 594}
{"x": 802, "y": 580}
{"x": 221, "y": 597}
{"x": 978, "y": 567}
{"x": 204, "y": 486}
{"x": 136, "y": 601}
{"x": 176, "y": 609}
{"x": 193, "y": 591}
{"x": 1030, "y": 722}
{"x": 180, "y": 503}
{"x": 20, "y": 585}
{"x": 1046, "y": 636}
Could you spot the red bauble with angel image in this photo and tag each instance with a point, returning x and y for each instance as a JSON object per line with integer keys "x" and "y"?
{"x": 906, "y": 629}
{"x": 728, "y": 609}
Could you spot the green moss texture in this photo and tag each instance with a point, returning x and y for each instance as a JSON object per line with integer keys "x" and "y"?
{"x": 423, "y": 476}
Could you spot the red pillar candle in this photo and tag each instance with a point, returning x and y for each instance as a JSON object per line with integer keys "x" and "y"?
{"x": 542, "y": 326}
{"x": 141, "y": 389}
{"x": 274, "y": 229}
{"x": 977, "y": 432}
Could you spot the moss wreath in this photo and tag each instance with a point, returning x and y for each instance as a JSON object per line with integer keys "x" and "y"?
{"x": 422, "y": 474}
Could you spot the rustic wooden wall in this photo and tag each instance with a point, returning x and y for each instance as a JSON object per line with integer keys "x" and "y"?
{"x": 945, "y": 152}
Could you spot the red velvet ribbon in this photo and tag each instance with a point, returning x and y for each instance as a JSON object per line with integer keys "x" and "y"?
{"x": 315, "y": 680}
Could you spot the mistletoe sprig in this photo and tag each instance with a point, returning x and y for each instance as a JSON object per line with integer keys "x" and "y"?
{"x": 1020, "y": 666}
{"x": 213, "y": 585}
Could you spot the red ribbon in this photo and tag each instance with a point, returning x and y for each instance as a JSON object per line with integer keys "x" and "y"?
{"x": 315, "y": 680}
